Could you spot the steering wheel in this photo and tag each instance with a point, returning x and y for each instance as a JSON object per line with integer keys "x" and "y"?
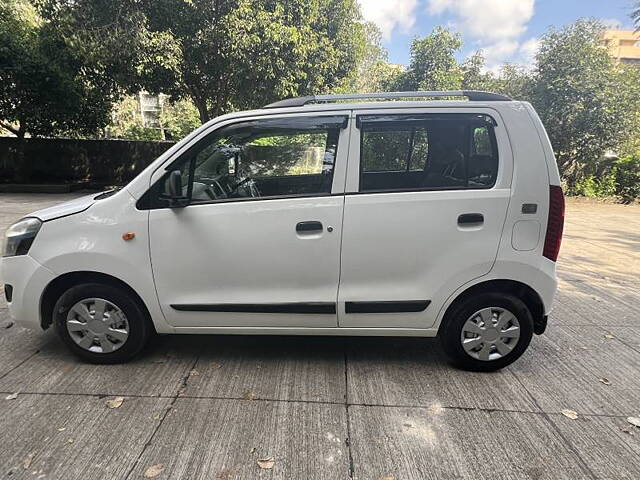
{"x": 252, "y": 187}
{"x": 207, "y": 191}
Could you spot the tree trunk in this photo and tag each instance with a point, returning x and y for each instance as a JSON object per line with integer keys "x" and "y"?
{"x": 201, "y": 105}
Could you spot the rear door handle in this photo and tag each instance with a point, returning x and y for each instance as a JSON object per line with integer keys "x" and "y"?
{"x": 309, "y": 227}
{"x": 470, "y": 218}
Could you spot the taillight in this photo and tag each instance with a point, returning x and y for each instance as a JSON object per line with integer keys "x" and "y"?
{"x": 553, "y": 238}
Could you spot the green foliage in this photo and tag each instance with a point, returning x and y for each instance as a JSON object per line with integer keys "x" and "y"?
{"x": 592, "y": 186}
{"x": 621, "y": 178}
{"x": 374, "y": 72}
{"x": 628, "y": 177}
{"x": 582, "y": 97}
{"x": 180, "y": 118}
{"x": 635, "y": 14}
{"x": 433, "y": 63}
{"x": 473, "y": 75}
{"x": 127, "y": 122}
{"x": 514, "y": 81}
{"x": 224, "y": 56}
{"x": 47, "y": 86}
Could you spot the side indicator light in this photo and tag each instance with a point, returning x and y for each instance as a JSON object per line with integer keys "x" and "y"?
{"x": 128, "y": 236}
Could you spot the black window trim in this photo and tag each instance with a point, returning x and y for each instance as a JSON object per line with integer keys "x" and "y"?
{"x": 494, "y": 143}
{"x": 149, "y": 200}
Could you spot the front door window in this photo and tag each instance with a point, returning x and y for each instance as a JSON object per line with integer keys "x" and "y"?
{"x": 270, "y": 158}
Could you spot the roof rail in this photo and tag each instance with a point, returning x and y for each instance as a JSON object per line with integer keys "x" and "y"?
{"x": 470, "y": 94}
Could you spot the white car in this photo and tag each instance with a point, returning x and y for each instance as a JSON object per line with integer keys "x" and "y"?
{"x": 312, "y": 216}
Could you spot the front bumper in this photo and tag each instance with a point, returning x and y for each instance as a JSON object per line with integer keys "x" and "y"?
{"x": 28, "y": 280}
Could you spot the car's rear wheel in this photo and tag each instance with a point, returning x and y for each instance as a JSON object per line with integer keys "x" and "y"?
{"x": 486, "y": 332}
{"x": 101, "y": 323}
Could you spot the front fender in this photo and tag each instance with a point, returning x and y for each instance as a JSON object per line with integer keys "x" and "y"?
{"x": 92, "y": 241}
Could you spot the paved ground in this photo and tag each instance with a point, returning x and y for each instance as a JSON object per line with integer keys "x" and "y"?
{"x": 333, "y": 408}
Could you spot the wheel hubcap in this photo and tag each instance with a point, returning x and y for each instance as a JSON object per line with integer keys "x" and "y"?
{"x": 490, "y": 333}
{"x": 97, "y": 325}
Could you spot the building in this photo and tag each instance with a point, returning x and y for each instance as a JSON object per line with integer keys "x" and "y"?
{"x": 624, "y": 45}
{"x": 151, "y": 108}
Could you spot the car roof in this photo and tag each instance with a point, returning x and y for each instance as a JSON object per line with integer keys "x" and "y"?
{"x": 374, "y": 105}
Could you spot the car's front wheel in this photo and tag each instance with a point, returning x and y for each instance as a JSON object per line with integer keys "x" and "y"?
{"x": 101, "y": 323}
{"x": 486, "y": 332}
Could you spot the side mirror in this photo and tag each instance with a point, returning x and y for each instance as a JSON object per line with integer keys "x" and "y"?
{"x": 174, "y": 187}
{"x": 175, "y": 184}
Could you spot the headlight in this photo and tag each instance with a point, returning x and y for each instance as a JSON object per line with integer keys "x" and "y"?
{"x": 20, "y": 236}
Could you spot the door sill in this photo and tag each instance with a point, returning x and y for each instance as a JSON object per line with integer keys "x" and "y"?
{"x": 329, "y": 331}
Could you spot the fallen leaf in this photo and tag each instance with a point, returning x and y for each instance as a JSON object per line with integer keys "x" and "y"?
{"x": 154, "y": 470}
{"x": 605, "y": 381}
{"x": 13, "y": 396}
{"x": 387, "y": 478}
{"x": 27, "y": 461}
{"x": 608, "y": 336}
{"x": 8, "y": 324}
{"x": 70, "y": 440}
{"x": 194, "y": 373}
{"x": 253, "y": 450}
{"x": 635, "y": 421}
{"x": 266, "y": 463}
{"x": 114, "y": 402}
{"x": 627, "y": 430}
{"x": 250, "y": 396}
{"x": 215, "y": 365}
{"x": 62, "y": 429}
{"x": 569, "y": 414}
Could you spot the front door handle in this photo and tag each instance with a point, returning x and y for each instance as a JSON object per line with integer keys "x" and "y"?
{"x": 471, "y": 219}
{"x": 309, "y": 227}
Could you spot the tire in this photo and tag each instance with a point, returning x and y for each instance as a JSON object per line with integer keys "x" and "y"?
{"x": 482, "y": 353}
{"x": 101, "y": 341}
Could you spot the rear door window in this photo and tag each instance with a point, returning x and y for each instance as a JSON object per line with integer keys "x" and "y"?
{"x": 427, "y": 152}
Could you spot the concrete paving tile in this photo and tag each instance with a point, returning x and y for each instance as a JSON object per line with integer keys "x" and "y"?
{"x": 17, "y": 344}
{"x": 282, "y": 368}
{"x": 74, "y": 437}
{"x": 630, "y": 336}
{"x": 436, "y": 444}
{"x": 223, "y": 439}
{"x": 414, "y": 372}
{"x": 158, "y": 371}
{"x": 604, "y": 444}
{"x": 580, "y": 304}
{"x": 565, "y": 365}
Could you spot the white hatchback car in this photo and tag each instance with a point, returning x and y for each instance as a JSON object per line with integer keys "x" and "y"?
{"x": 312, "y": 216}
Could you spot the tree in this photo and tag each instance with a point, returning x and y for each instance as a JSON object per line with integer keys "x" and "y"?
{"x": 433, "y": 63}
{"x": 515, "y": 81}
{"x": 635, "y": 14}
{"x": 222, "y": 55}
{"x": 581, "y": 96}
{"x": 126, "y": 122}
{"x": 45, "y": 88}
{"x": 374, "y": 73}
{"x": 243, "y": 53}
{"x": 474, "y": 76}
{"x": 180, "y": 118}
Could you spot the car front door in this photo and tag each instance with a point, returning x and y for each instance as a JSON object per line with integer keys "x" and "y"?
{"x": 426, "y": 199}
{"x": 258, "y": 242}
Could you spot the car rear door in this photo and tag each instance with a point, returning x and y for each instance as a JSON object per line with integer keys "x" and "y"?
{"x": 426, "y": 199}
